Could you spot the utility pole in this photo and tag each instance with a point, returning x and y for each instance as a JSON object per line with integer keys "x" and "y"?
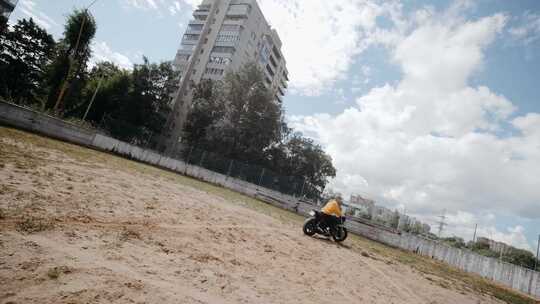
{"x": 442, "y": 222}
{"x": 93, "y": 97}
{"x": 474, "y": 236}
{"x": 65, "y": 84}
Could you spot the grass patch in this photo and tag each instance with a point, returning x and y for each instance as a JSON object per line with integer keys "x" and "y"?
{"x": 55, "y": 272}
{"x": 32, "y": 224}
{"x": 128, "y": 234}
{"x": 453, "y": 278}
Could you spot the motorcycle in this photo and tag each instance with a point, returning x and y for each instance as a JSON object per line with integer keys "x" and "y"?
{"x": 314, "y": 225}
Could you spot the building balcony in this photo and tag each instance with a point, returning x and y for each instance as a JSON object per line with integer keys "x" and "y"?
{"x": 199, "y": 12}
{"x": 226, "y": 43}
{"x": 193, "y": 32}
{"x": 194, "y": 22}
{"x": 238, "y": 10}
{"x": 204, "y": 7}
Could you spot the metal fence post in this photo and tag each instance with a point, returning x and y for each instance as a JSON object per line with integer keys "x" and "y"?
{"x": 260, "y": 178}
{"x": 187, "y": 160}
{"x": 537, "y": 251}
{"x": 202, "y": 159}
{"x": 149, "y": 139}
{"x": 230, "y": 168}
{"x": 303, "y": 185}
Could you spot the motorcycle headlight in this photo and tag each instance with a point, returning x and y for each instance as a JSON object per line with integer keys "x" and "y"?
{"x": 312, "y": 213}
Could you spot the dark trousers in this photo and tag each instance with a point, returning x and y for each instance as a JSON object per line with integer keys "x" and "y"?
{"x": 329, "y": 221}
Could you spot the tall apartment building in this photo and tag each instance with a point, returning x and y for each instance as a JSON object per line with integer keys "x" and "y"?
{"x": 222, "y": 36}
{"x": 7, "y": 6}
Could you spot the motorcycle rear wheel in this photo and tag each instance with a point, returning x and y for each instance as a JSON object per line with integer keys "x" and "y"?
{"x": 340, "y": 235}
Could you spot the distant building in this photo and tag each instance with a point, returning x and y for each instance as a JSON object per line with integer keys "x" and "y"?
{"x": 382, "y": 214}
{"x": 223, "y": 36}
{"x": 363, "y": 205}
{"x": 495, "y": 246}
{"x": 7, "y": 6}
{"x": 404, "y": 222}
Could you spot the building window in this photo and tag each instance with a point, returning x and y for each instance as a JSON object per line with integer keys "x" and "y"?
{"x": 183, "y": 57}
{"x": 230, "y": 28}
{"x": 187, "y": 47}
{"x": 195, "y": 27}
{"x": 213, "y": 71}
{"x": 220, "y": 60}
{"x": 235, "y": 18}
{"x": 191, "y": 37}
{"x": 227, "y": 38}
{"x": 274, "y": 64}
{"x": 223, "y": 49}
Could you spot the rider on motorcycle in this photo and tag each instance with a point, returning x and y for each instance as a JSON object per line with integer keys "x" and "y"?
{"x": 331, "y": 213}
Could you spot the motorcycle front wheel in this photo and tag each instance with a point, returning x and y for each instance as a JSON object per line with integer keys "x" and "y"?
{"x": 310, "y": 226}
{"x": 340, "y": 235}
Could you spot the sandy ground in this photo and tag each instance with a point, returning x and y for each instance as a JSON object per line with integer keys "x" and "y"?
{"x": 86, "y": 227}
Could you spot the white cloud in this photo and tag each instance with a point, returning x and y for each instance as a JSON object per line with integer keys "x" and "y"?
{"x": 29, "y": 9}
{"x": 529, "y": 29}
{"x": 102, "y": 52}
{"x": 174, "y": 7}
{"x": 429, "y": 142}
{"x": 143, "y": 4}
{"x": 320, "y": 38}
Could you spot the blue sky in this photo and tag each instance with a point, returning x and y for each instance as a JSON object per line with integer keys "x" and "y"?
{"x": 423, "y": 105}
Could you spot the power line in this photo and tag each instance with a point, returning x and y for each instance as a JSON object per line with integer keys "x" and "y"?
{"x": 442, "y": 222}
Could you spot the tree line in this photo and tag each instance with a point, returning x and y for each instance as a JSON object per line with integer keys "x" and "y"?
{"x": 510, "y": 254}
{"x": 56, "y": 77}
{"x": 237, "y": 118}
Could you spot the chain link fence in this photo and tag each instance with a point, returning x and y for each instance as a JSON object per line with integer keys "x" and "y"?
{"x": 297, "y": 186}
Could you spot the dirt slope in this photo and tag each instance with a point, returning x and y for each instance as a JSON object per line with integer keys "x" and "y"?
{"x": 78, "y": 226}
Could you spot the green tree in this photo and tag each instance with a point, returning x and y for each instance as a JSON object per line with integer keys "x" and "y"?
{"x": 130, "y": 105}
{"x": 70, "y": 63}
{"x": 300, "y": 156}
{"x": 206, "y": 110}
{"x": 519, "y": 257}
{"x": 3, "y": 24}
{"x": 149, "y": 105}
{"x": 237, "y": 118}
{"x": 113, "y": 94}
{"x": 24, "y": 51}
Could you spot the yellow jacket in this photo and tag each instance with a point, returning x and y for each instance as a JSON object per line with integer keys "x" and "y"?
{"x": 332, "y": 208}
